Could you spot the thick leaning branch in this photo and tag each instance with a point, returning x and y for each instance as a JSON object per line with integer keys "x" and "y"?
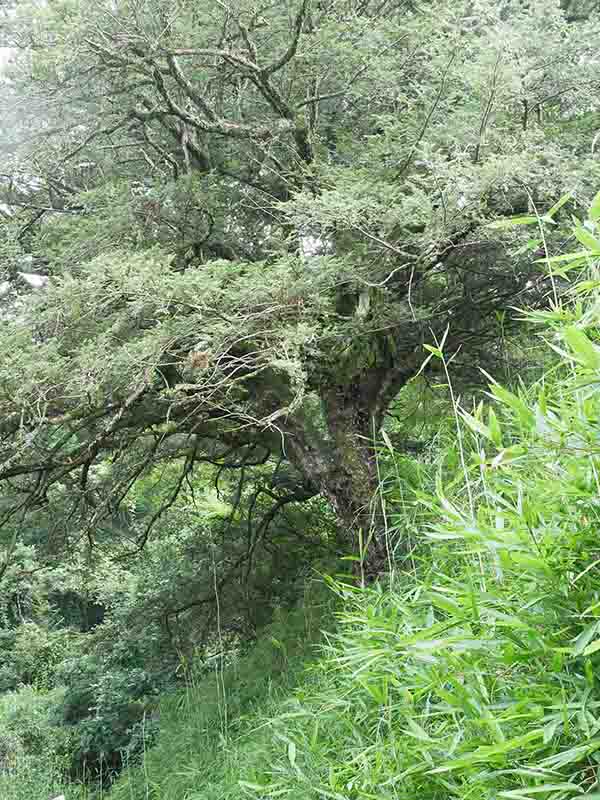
{"x": 289, "y": 54}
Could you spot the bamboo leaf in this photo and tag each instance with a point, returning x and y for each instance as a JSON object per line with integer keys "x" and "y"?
{"x": 586, "y": 239}
{"x": 583, "y": 349}
{"x": 559, "y": 204}
{"x": 592, "y": 648}
{"x": 585, "y": 637}
{"x": 511, "y": 221}
{"x": 291, "y": 751}
{"x": 476, "y": 425}
{"x": 594, "y": 212}
{"x": 527, "y": 791}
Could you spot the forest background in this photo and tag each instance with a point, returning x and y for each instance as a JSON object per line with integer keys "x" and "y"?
{"x": 272, "y": 284}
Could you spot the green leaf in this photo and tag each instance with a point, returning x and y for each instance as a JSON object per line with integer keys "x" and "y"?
{"x": 494, "y": 428}
{"x": 484, "y": 753}
{"x": 434, "y": 350}
{"x": 550, "y": 729}
{"x": 566, "y": 258}
{"x": 542, "y": 788}
{"x": 527, "y": 561}
{"x": 583, "y": 350}
{"x": 559, "y": 204}
{"x": 417, "y": 731}
{"x": 476, "y": 425}
{"x": 446, "y": 604}
{"x": 524, "y": 413}
{"x": 594, "y": 212}
{"x": 592, "y": 648}
{"x": 585, "y": 637}
{"x": 291, "y": 751}
{"x": 586, "y": 239}
{"x": 569, "y": 756}
{"x": 387, "y": 441}
{"x": 508, "y": 223}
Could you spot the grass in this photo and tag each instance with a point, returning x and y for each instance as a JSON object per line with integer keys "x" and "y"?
{"x": 31, "y": 749}
{"x": 215, "y": 728}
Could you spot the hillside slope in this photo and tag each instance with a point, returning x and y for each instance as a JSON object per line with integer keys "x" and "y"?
{"x": 471, "y": 673}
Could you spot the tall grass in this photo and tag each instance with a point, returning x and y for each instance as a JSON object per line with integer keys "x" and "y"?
{"x": 197, "y": 755}
{"x": 32, "y": 749}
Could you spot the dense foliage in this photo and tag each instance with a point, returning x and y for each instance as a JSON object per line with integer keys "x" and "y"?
{"x": 258, "y": 266}
{"x": 252, "y": 219}
{"x": 473, "y": 673}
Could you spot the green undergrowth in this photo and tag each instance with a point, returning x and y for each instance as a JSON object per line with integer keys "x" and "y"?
{"x": 32, "y": 747}
{"x": 202, "y": 726}
{"x": 218, "y": 726}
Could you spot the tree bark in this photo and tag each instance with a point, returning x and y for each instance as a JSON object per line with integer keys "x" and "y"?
{"x": 341, "y": 464}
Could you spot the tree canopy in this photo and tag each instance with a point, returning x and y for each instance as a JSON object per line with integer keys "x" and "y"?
{"x": 250, "y": 218}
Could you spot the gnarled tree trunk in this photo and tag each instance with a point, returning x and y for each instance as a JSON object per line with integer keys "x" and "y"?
{"x": 341, "y": 464}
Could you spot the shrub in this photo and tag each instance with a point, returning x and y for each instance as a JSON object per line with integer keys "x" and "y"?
{"x": 106, "y": 710}
{"x": 34, "y": 750}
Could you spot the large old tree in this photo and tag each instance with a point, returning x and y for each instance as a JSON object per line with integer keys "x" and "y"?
{"x": 252, "y": 216}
